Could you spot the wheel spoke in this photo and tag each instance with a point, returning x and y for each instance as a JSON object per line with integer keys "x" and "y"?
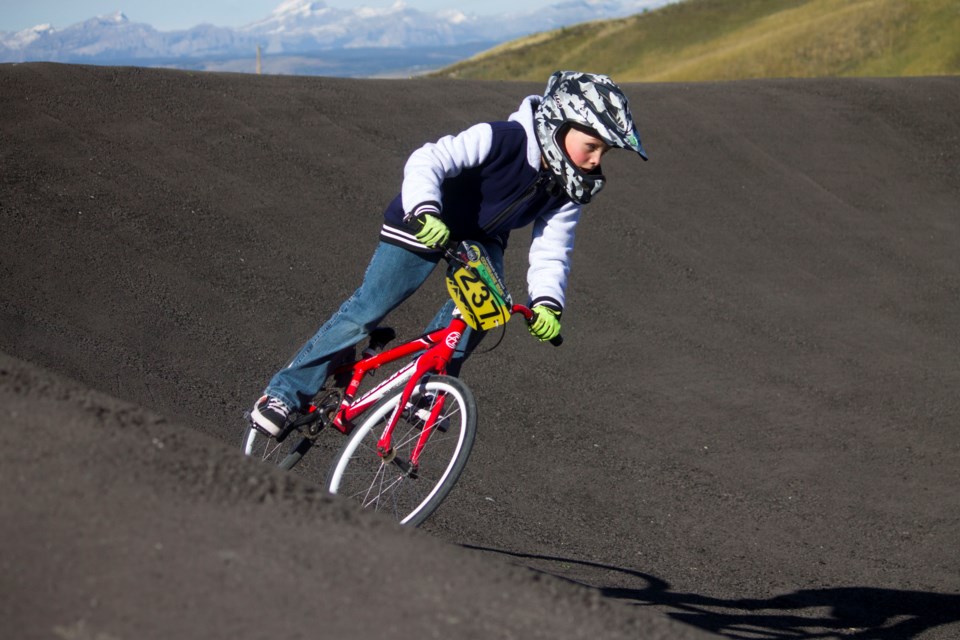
{"x": 285, "y": 455}
{"x": 361, "y": 474}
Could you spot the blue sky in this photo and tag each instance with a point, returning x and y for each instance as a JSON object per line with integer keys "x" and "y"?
{"x": 166, "y": 15}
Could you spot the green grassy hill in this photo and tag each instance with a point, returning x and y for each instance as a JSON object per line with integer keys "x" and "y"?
{"x": 697, "y": 40}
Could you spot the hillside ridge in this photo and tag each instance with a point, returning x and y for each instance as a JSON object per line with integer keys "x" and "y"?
{"x": 708, "y": 40}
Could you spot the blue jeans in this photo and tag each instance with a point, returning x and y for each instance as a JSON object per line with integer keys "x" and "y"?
{"x": 392, "y": 276}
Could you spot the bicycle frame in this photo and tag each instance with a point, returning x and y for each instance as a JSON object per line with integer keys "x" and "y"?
{"x": 438, "y": 348}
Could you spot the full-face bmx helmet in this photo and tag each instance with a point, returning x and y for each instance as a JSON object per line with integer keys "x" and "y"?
{"x": 586, "y": 100}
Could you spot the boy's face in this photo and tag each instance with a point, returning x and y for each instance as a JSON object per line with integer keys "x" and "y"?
{"x": 584, "y": 149}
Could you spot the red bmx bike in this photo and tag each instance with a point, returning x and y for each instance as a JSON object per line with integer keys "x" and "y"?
{"x": 408, "y": 437}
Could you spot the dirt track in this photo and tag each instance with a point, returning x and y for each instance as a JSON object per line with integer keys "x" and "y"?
{"x": 751, "y": 429}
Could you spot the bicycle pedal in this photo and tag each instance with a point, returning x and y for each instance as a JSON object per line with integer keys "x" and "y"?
{"x": 264, "y": 432}
{"x": 442, "y": 425}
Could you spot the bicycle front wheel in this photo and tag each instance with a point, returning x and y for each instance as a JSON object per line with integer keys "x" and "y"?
{"x": 390, "y": 484}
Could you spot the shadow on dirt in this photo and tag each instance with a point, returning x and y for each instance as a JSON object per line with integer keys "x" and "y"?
{"x": 847, "y": 612}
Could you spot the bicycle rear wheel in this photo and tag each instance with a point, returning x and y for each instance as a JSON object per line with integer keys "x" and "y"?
{"x": 284, "y": 454}
{"x": 390, "y": 485}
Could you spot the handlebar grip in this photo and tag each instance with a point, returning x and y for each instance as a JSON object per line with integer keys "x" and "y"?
{"x": 527, "y": 314}
{"x": 415, "y": 225}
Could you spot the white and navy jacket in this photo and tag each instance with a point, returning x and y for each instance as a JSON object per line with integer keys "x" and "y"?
{"x": 483, "y": 183}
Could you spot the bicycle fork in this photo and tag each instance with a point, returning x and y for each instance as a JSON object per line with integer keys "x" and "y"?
{"x": 434, "y": 361}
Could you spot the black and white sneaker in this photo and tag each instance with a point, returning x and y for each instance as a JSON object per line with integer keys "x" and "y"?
{"x": 269, "y": 415}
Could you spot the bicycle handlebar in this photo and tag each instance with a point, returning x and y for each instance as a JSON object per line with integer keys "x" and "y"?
{"x": 450, "y": 255}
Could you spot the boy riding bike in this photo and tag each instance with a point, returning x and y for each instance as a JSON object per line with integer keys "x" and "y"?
{"x": 538, "y": 167}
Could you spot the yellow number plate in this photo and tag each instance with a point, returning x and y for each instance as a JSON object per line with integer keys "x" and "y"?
{"x": 482, "y": 307}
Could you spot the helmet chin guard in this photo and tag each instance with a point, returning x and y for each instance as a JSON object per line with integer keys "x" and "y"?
{"x": 588, "y": 100}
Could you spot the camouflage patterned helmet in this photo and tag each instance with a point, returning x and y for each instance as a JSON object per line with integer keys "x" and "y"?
{"x": 587, "y": 100}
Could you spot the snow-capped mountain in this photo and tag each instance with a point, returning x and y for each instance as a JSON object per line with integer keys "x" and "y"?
{"x": 297, "y": 27}
{"x": 112, "y": 38}
{"x": 301, "y": 25}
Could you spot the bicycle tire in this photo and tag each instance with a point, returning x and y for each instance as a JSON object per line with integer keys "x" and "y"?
{"x": 360, "y": 474}
{"x": 285, "y": 455}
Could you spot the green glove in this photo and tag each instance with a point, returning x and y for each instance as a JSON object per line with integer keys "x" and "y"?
{"x": 434, "y": 232}
{"x": 546, "y": 323}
